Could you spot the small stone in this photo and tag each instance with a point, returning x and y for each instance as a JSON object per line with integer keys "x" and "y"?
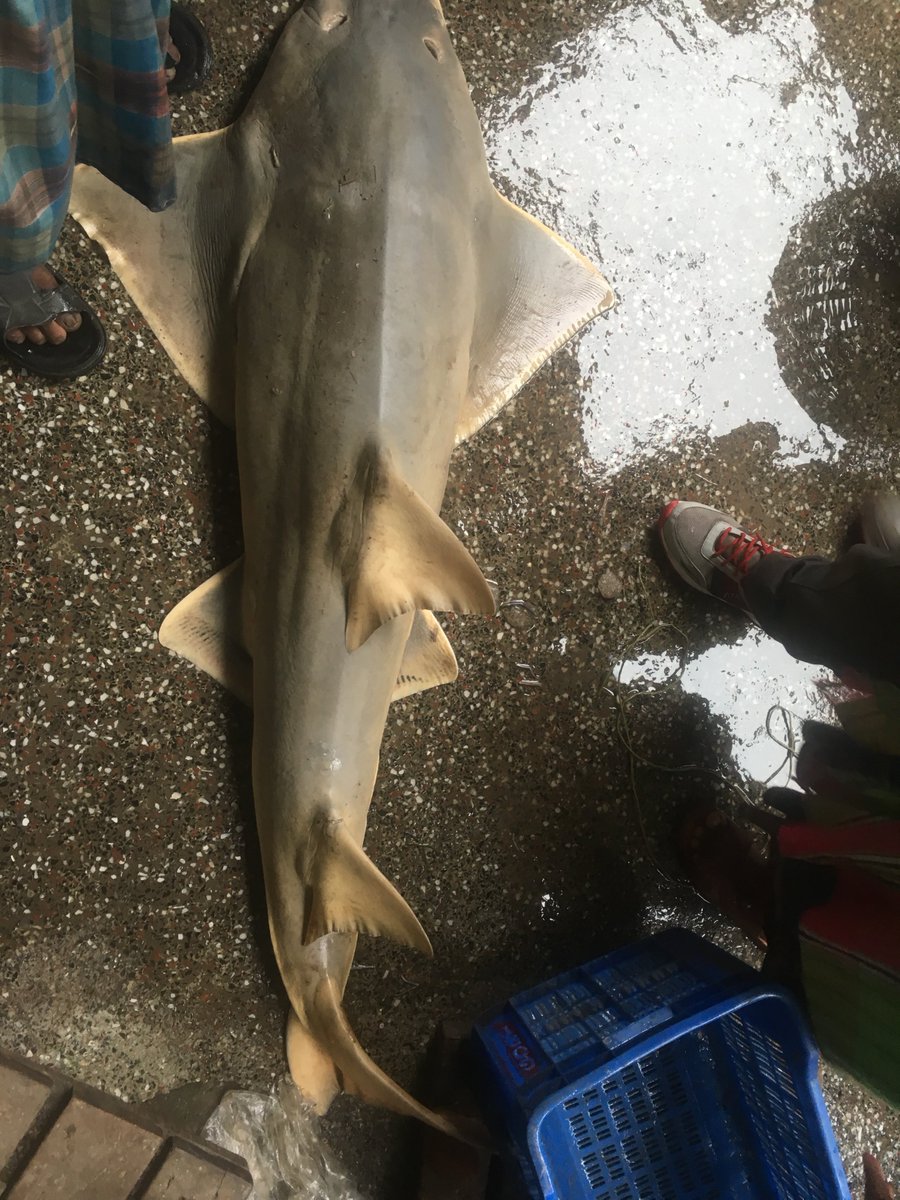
{"x": 610, "y": 586}
{"x": 519, "y": 614}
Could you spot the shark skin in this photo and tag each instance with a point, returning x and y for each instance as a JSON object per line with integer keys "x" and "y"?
{"x": 340, "y": 281}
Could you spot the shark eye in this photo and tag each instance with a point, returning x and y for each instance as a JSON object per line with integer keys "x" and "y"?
{"x": 326, "y": 15}
{"x": 432, "y": 47}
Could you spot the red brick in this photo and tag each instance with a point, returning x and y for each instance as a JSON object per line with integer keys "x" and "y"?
{"x": 87, "y": 1155}
{"x": 185, "y": 1176}
{"x": 21, "y": 1099}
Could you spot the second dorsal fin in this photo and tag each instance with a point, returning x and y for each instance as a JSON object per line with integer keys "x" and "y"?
{"x": 348, "y": 894}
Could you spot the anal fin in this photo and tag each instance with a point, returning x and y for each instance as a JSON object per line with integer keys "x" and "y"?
{"x": 348, "y": 894}
{"x": 206, "y": 629}
{"x": 428, "y": 658}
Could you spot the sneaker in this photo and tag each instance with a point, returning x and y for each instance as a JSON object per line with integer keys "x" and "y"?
{"x": 709, "y": 549}
{"x": 879, "y": 520}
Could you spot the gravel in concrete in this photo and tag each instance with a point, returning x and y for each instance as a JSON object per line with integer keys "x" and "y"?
{"x": 732, "y": 165}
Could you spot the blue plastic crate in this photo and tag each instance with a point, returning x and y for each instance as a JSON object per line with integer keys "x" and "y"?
{"x": 663, "y": 1070}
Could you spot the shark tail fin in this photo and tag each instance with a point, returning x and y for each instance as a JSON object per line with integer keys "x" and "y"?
{"x": 319, "y": 1074}
{"x": 323, "y": 1053}
{"x": 348, "y": 894}
{"x": 403, "y": 556}
{"x": 311, "y": 1068}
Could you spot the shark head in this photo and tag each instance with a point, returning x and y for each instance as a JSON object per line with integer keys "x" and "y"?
{"x": 349, "y": 48}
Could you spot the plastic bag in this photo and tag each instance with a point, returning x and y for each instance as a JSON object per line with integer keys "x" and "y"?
{"x": 278, "y": 1135}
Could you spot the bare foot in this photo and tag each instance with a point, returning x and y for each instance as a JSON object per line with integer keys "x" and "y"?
{"x": 54, "y": 331}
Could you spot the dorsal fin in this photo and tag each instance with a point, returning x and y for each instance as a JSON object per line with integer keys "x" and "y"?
{"x": 538, "y": 292}
{"x": 397, "y": 555}
{"x": 348, "y": 894}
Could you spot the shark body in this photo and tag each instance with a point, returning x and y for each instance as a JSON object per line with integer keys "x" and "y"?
{"x": 340, "y": 281}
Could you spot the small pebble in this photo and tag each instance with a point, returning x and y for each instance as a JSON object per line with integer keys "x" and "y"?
{"x": 610, "y": 586}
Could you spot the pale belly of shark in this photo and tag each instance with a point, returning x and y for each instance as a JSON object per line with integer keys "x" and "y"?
{"x": 342, "y": 284}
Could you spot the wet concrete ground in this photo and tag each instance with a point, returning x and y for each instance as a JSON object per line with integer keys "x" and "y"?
{"x": 732, "y": 165}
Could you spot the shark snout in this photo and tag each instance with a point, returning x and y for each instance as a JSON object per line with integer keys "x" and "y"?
{"x": 329, "y": 15}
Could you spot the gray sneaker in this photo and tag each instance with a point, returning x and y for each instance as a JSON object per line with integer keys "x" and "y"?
{"x": 879, "y": 520}
{"x": 709, "y": 549}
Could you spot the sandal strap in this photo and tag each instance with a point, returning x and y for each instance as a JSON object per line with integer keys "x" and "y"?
{"x": 23, "y": 303}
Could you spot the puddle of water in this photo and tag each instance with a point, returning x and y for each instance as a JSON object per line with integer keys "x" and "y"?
{"x": 679, "y": 156}
{"x": 741, "y": 683}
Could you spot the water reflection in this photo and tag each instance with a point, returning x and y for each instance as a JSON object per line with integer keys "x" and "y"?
{"x": 741, "y": 683}
{"x": 680, "y": 156}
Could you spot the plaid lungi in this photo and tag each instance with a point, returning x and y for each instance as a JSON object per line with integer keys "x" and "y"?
{"x": 80, "y": 80}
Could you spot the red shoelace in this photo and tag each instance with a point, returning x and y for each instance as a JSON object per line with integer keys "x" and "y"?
{"x": 742, "y": 549}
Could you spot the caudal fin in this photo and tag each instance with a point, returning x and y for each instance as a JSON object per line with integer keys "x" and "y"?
{"x": 344, "y": 894}
{"x": 319, "y": 1075}
{"x": 310, "y": 1066}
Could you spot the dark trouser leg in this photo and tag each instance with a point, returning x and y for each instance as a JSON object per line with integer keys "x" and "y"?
{"x": 842, "y": 614}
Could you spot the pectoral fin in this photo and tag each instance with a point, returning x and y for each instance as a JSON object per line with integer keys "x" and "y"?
{"x": 206, "y": 629}
{"x": 348, "y": 894}
{"x": 398, "y": 555}
{"x": 182, "y": 267}
{"x": 537, "y": 291}
{"x": 427, "y": 660}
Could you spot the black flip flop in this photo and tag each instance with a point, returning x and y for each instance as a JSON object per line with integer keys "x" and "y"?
{"x": 192, "y": 41}
{"x": 22, "y": 303}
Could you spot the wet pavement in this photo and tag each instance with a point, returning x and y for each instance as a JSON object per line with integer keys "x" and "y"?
{"x": 732, "y": 165}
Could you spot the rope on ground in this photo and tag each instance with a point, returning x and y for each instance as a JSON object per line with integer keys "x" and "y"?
{"x": 623, "y": 698}
{"x": 789, "y": 745}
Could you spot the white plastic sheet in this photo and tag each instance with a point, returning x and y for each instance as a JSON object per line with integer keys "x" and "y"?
{"x": 279, "y": 1137}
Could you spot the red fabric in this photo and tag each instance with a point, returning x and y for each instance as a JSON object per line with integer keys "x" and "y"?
{"x": 862, "y": 839}
{"x": 862, "y": 918}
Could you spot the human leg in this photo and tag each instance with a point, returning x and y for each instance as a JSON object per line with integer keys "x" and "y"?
{"x": 38, "y": 312}
{"x": 841, "y": 614}
{"x": 108, "y": 62}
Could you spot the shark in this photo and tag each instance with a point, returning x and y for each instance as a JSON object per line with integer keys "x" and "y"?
{"x": 342, "y": 284}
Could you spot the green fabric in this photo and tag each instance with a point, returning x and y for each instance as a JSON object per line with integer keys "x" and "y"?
{"x": 855, "y": 1014}
{"x": 874, "y": 720}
